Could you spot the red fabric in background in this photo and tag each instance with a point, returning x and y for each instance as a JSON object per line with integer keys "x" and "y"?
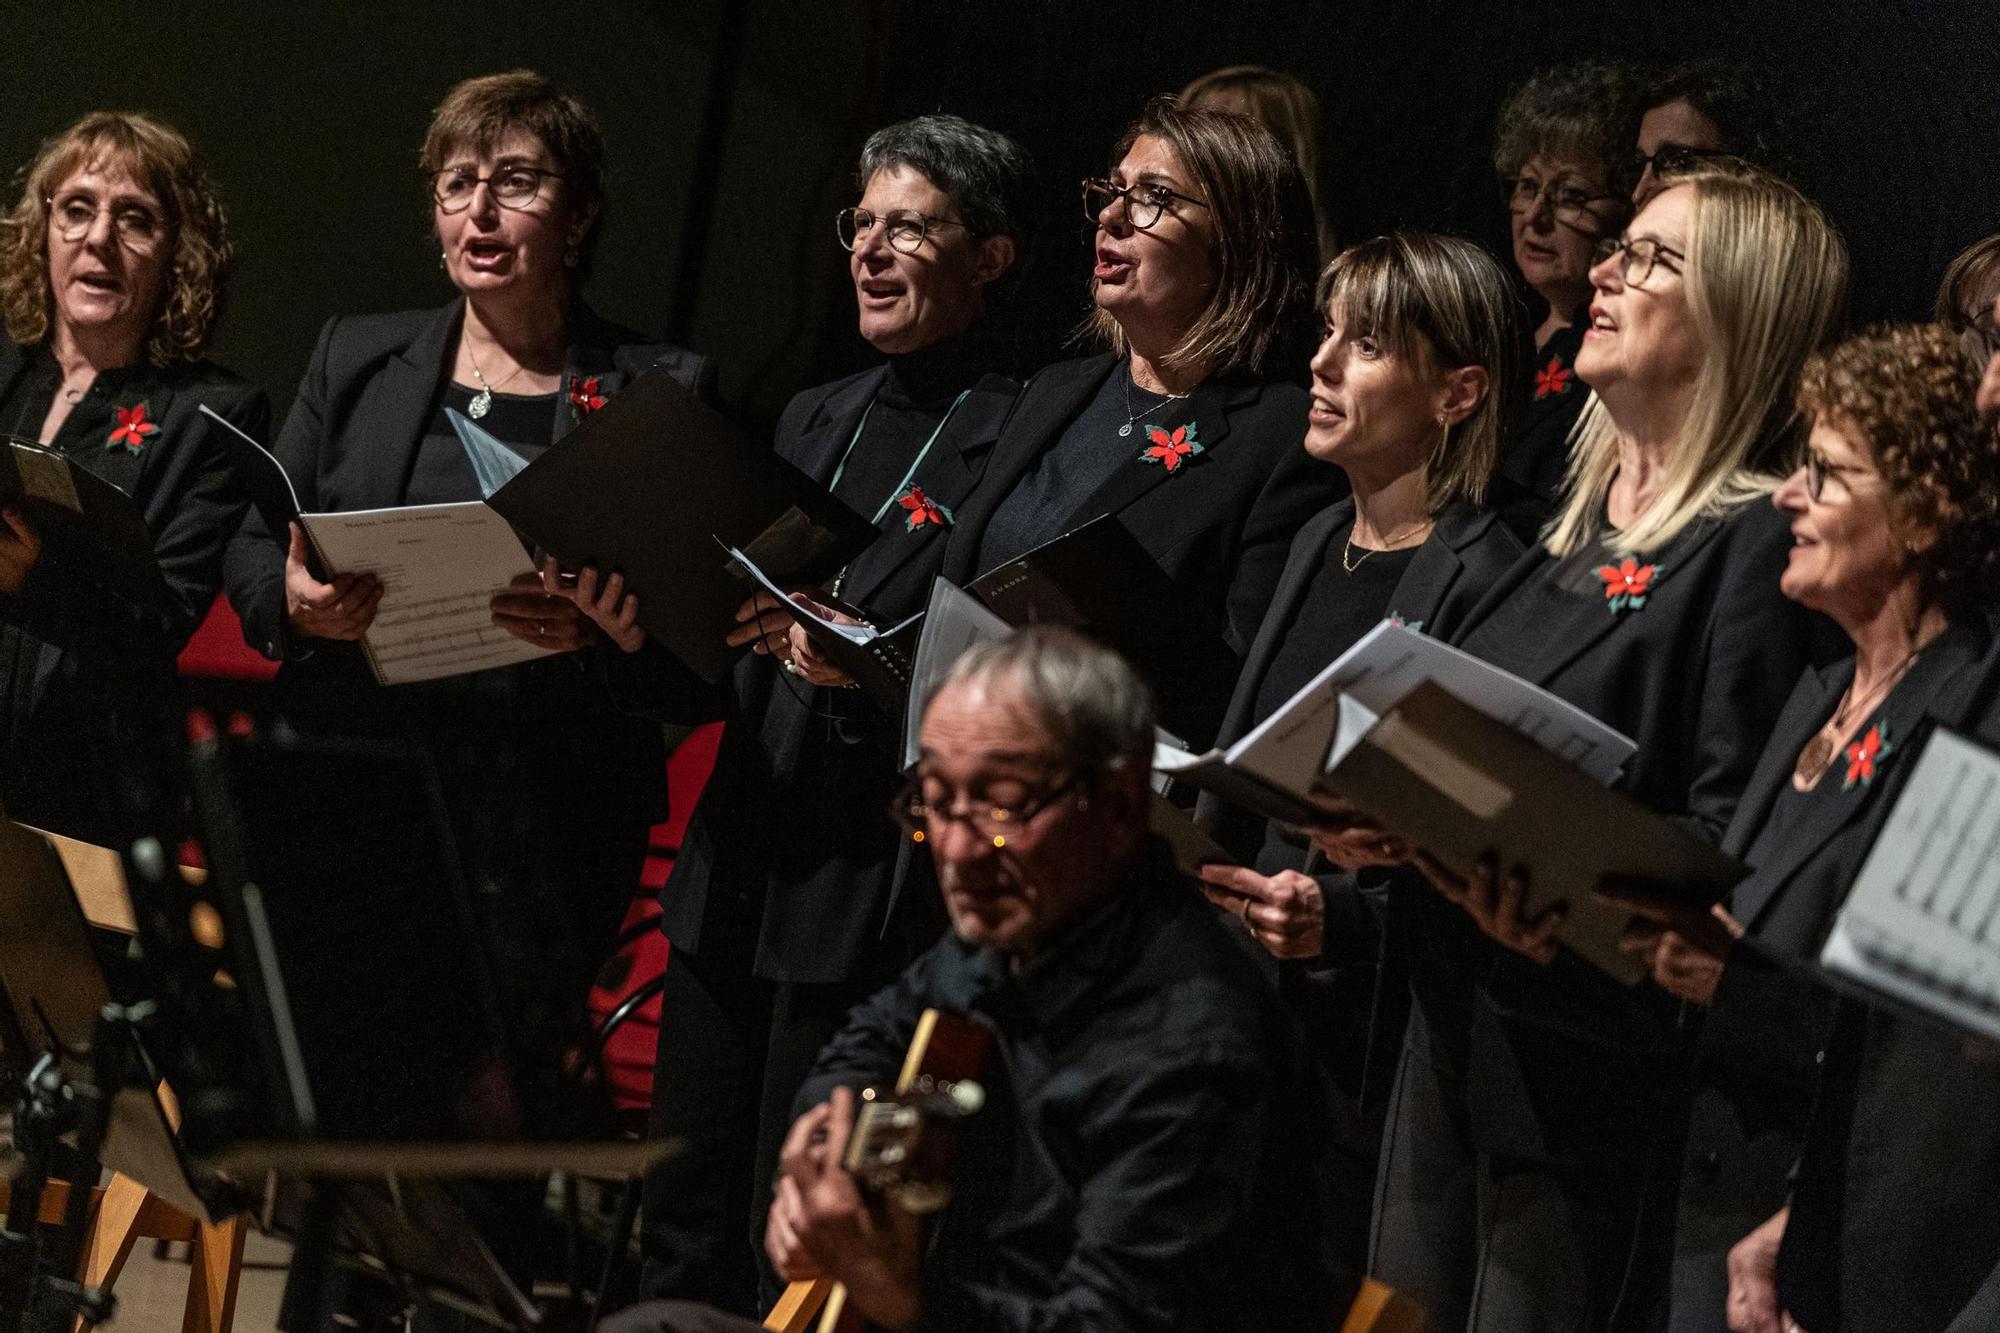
{"x": 218, "y": 651}
{"x": 628, "y": 1056}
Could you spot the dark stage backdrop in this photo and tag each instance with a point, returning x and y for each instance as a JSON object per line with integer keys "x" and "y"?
{"x": 732, "y": 130}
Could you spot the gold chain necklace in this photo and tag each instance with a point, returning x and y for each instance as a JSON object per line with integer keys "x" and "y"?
{"x": 1349, "y": 564}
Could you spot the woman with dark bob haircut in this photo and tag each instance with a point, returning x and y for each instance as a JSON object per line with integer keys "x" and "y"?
{"x": 112, "y": 267}
{"x": 551, "y": 790}
{"x": 1895, "y": 524}
{"x": 1187, "y": 427}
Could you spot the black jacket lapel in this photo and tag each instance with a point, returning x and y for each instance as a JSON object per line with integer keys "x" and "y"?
{"x": 947, "y": 476}
{"x": 1207, "y": 410}
{"x": 1435, "y": 569}
{"x": 1902, "y": 719}
{"x": 1044, "y": 409}
{"x": 819, "y": 447}
{"x": 1566, "y": 643}
{"x": 397, "y": 407}
{"x": 1304, "y": 561}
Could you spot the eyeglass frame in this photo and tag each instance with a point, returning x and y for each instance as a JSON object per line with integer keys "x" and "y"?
{"x": 542, "y": 176}
{"x": 1615, "y": 245}
{"x": 1669, "y": 158}
{"x": 914, "y": 813}
{"x": 99, "y": 209}
{"x": 1548, "y": 189}
{"x": 925, "y": 223}
{"x": 1817, "y": 470}
{"x": 1103, "y": 185}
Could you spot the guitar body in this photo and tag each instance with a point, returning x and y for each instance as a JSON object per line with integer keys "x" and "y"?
{"x": 946, "y": 1052}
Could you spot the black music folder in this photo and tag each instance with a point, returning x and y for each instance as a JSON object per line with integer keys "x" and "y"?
{"x": 1100, "y": 581}
{"x": 86, "y": 524}
{"x": 879, "y": 660}
{"x": 649, "y": 483}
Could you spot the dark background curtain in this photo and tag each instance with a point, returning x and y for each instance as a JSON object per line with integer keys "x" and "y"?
{"x": 732, "y": 130}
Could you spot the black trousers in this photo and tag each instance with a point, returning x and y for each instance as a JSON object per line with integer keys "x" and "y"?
{"x": 734, "y": 1050}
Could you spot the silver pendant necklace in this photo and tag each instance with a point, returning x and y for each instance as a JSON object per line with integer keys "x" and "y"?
{"x": 1131, "y": 417}
{"x": 482, "y": 402}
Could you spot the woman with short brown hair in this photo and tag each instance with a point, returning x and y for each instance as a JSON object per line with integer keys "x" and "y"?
{"x": 551, "y": 789}
{"x": 1187, "y": 428}
{"x": 112, "y": 269}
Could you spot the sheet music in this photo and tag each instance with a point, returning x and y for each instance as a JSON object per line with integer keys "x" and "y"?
{"x": 858, "y": 635}
{"x": 953, "y": 622}
{"x": 1922, "y": 923}
{"x": 440, "y": 566}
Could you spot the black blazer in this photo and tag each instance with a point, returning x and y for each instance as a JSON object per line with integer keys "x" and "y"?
{"x": 595, "y": 774}
{"x": 792, "y": 827}
{"x": 87, "y": 674}
{"x": 1763, "y": 1042}
{"x": 1893, "y": 1223}
{"x": 1351, "y": 1006}
{"x": 1220, "y": 525}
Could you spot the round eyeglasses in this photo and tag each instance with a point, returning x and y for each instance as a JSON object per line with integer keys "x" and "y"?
{"x": 138, "y": 228}
{"x": 906, "y": 229}
{"x": 1639, "y": 255}
{"x": 1572, "y": 203}
{"x": 1145, "y": 201}
{"x": 511, "y": 187}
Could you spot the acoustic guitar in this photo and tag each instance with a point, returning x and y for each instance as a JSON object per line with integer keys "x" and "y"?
{"x": 903, "y": 1147}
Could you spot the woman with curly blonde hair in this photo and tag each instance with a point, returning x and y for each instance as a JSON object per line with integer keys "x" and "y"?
{"x": 112, "y": 262}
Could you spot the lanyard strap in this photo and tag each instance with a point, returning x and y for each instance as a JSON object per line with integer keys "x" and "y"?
{"x": 915, "y": 463}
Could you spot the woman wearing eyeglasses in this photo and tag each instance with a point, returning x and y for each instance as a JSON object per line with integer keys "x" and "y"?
{"x": 1707, "y": 109}
{"x": 1187, "y": 428}
{"x": 1895, "y": 536}
{"x": 1562, "y": 134}
{"x": 1531, "y": 1166}
{"x": 112, "y": 267}
{"x": 551, "y": 789}
{"x": 781, "y": 922}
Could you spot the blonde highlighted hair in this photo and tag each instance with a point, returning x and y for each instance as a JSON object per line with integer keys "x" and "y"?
{"x": 1440, "y": 303}
{"x": 1766, "y": 283}
{"x": 155, "y": 156}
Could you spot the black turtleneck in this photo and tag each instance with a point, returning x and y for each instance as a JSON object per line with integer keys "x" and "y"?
{"x": 920, "y": 388}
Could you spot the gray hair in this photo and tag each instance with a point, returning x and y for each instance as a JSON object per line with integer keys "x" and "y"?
{"x": 1589, "y": 112}
{"x": 1089, "y": 699}
{"x": 986, "y": 173}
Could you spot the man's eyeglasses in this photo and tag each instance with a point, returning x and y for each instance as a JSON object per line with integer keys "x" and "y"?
{"x": 511, "y": 187}
{"x": 1640, "y": 255}
{"x": 1572, "y": 203}
{"x": 1144, "y": 200}
{"x": 986, "y": 819}
{"x": 138, "y": 228}
{"x": 906, "y": 229}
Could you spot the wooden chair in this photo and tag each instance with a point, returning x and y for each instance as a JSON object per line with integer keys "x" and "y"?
{"x": 124, "y": 1213}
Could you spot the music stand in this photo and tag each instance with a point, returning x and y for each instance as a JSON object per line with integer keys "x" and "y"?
{"x": 358, "y": 1027}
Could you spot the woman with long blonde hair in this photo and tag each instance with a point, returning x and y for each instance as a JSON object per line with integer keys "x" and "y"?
{"x": 1535, "y": 1143}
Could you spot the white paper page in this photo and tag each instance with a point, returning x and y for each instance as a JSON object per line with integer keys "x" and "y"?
{"x": 859, "y": 635}
{"x": 276, "y": 466}
{"x": 440, "y": 566}
{"x": 953, "y": 622}
{"x": 1922, "y": 922}
{"x": 1339, "y": 704}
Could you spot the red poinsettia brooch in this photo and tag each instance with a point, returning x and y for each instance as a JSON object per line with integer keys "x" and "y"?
{"x": 1866, "y": 755}
{"x": 132, "y": 429}
{"x": 1552, "y": 379}
{"x": 585, "y": 395}
{"x": 1170, "y": 451}
{"x": 1626, "y": 584}
{"x": 922, "y": 510}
